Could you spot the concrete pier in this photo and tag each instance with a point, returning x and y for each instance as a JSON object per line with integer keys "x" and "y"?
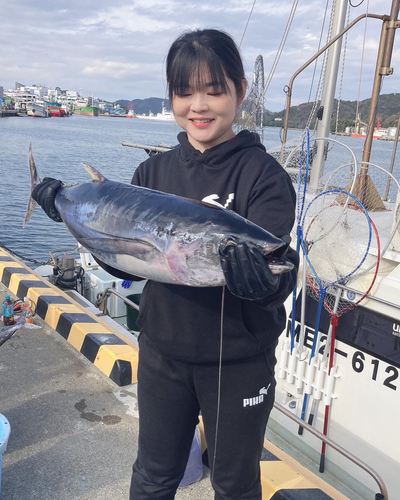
{"x": 73, "y": 430}
{"x": 68, "y": 391}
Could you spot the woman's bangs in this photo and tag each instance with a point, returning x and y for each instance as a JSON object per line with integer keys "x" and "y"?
{"x": 196, "y": 71}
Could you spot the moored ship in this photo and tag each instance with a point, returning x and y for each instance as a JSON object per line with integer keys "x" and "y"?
{"x": 37, "y": 109}
{"x": 163, "y": 116}
{"x": 87, "y": 111}
{"x": 55, "y": 109}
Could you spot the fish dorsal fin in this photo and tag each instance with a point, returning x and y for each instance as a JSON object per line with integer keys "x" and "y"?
{"x": 94, "y": 174}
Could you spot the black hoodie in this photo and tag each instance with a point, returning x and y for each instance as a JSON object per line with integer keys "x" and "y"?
{"x": 184, "y": 322}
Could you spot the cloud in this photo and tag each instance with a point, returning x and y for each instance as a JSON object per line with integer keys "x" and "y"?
{"x": 118, "y": 50}
{"x": 117, "y": 70}
{"x": 128, "y": 18}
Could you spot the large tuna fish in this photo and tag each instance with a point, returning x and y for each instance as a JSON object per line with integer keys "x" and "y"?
{"x": 152, "y": 234}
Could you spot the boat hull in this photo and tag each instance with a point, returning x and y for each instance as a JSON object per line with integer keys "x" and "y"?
{"x": 36, "y": 110}
{"x": 156, "y": 118}
{"x": 87, "y": 111}
{"x": 363, "y": 136}
{"x": 366, "y": 383}
{"x": 56, "y": 111}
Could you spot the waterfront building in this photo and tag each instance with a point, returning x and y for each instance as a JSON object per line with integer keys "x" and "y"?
{"x": 22, "y": 99}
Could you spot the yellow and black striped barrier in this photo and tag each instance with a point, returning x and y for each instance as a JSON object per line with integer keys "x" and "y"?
{"x": 105, "y": 347}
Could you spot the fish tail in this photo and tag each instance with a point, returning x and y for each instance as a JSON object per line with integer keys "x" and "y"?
{"x": 35, "y": 180}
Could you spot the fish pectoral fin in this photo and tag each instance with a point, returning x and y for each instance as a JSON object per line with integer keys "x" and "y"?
{"x": 177, "y": 266}
{"x": 35, "y": 180}
{"x": 136, "y": 248}
{"x": 29, "y": 211}
{"x": 176, "y": 257}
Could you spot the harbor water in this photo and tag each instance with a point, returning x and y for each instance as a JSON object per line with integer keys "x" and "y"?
{"x": 60, "y": 145}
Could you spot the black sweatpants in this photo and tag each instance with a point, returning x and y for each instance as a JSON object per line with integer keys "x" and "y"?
{"x": 170, "y": 396}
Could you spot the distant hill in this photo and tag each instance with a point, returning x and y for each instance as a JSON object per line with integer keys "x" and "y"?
{"x": 140, "y": 106}
{"x": 388, "y": 111}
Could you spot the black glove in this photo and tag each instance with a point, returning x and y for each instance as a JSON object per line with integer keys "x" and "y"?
{"x": 44, "y": 193}
{"x": 246, "y": 271}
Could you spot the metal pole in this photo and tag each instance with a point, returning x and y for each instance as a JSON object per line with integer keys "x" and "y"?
{"x": 288, "y": 88}
{"x": 368, "y": 296}
{"x": 338, "y": 448}
{"x": 158, "y": 149}
{"x": 127, "y": 301}
{"x": 328, "y": 95}
{"x": 373, "y": 108}
{"x": 382, "y": 69}
{"x": 365, "y": 190}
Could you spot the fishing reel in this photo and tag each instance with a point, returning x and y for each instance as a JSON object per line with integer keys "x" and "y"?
{"x": 66, "y": 274}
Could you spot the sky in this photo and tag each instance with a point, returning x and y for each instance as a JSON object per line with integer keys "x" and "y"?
{"x": 117, "y": 50}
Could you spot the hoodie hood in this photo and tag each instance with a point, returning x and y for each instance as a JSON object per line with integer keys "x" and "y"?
{"x": 220, "y": 153}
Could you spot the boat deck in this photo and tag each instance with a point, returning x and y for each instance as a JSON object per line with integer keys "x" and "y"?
{"x": 73, "y": 428}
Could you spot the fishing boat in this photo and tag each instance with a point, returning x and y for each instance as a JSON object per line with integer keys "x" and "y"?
{"x": 338, "y": 368}
{"x": 87, "y": 111}
{"x": 131, "y": 113}
{"x": 342, "y": 383}
{"x": 55, "y": 109}
{"x": 37, "y": 109}
{"x": 362, "y": 131}
{"x": 165, "y": 115}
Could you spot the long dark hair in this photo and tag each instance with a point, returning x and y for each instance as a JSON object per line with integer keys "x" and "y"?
{"x": 193, "y": 51}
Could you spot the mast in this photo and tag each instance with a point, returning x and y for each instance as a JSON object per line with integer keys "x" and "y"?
{"x": 364, "y": 187}
{"x": 328, "y": 94}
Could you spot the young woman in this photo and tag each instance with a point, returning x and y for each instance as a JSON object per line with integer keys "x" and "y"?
{"x": 209, "y": 350}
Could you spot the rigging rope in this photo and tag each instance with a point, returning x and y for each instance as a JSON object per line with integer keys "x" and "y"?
{"x": 323, "y": 70}
{"x": 355, "y": 6}
{"x": 248, "y": 20}
{"x": 221, "y": 336}
{"x": 281, "y": 46}
{"x": 319, "y": 46}
{"x": 362, "y": 63}
{"x": 341, "y": 76}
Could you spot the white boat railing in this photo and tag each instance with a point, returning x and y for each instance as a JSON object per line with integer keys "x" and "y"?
{"x": 109, "y": 291}
{"x": 367, "y": 296}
